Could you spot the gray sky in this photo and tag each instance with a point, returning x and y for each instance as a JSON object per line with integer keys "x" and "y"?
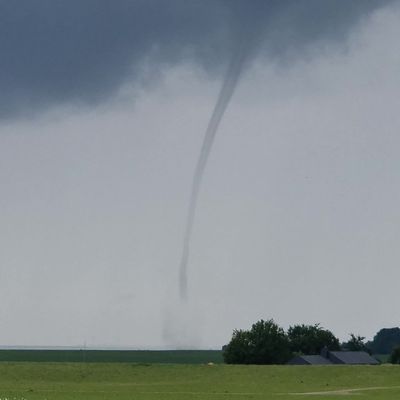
{"x": 103, "y": 108}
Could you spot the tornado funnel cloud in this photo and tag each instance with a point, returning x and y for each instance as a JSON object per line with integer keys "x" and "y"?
{"x": 262, "y": 23}
{"x": 228, "y": 87}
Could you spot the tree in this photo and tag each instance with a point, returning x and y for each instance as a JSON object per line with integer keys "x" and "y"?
{"x": 311, "y": 339}
{"x": 264, "y": 343}
{"x": 395, "y": 356}
{"x": 385, "y": 341}
{"x": 238, "y": 349}
{"x": 356, "y": 343}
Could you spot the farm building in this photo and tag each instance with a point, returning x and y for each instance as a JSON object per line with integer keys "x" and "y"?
{"x": 309, "y": 360}
{"x": 351, "y": 357}
{"x": 335, "y": 357}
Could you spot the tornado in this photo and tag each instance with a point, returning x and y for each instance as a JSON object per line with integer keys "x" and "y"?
{"x": 310, "y": 21}
{"x": 228, "y": 87}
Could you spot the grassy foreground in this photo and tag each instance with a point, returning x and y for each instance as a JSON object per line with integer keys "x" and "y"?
{"x": 75, "y": 381}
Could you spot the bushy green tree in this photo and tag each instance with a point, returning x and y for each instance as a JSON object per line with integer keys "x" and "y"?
{"x": 264, "y": 343}
{"x": 395, "y": 356}
{"x": 385, "y": 341}
{"x": 311, "y": 339}
{"x": 356, "y": 343}
{"x": 238, "y": 349}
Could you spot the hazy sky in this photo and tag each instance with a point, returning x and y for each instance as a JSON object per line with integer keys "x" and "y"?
{"x": 103, "y": 108}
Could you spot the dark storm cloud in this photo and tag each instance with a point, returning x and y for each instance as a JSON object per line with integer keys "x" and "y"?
{"x": 57, "y": 51}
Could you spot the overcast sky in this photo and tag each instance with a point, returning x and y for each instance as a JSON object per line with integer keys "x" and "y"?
{"x": 103, "y": 109}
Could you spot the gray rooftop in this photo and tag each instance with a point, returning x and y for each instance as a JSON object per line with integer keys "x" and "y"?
{"x": 309, "y": 360}
{"x": 351, "y": 357}
{"x": 335, "y": 357}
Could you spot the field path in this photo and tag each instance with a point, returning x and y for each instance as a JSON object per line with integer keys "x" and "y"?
{"x": 343, "y": 391}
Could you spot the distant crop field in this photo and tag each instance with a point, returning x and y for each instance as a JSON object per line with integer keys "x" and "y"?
{"x": 121, "y": 356}
{"x": 87, "y": 381}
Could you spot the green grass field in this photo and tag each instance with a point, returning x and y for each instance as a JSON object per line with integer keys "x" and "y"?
{"x": 76, "y": 381}
{"x": 121, "y": 356}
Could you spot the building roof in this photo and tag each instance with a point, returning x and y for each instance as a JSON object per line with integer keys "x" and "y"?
{"x": 335, "y": 357}
{"x": 309, "y": 360}
{"x": 351, "y": 357}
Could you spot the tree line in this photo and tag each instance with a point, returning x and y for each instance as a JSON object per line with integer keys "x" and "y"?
{"x": 267, "y": 343}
